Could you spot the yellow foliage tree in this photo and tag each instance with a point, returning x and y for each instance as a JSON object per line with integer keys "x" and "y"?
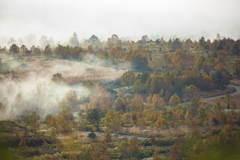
{"x": 159, "y": 122}
{"x": 174, "y": 100}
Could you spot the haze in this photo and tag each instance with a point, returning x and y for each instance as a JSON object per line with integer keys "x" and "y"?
{"x": 129, "y": 19}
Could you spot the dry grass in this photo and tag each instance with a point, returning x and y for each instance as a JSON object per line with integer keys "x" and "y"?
{"x": 157, "y": 132}
{"x": 235, "y": 82}
{"x": 235, "y": 100}
{"x": 72, "y": 71}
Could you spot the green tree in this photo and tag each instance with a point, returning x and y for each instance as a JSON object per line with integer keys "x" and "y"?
{"x": 92, "y": 135}
{"x": 120, "y": 104}
{"x": 235, "y": 49}
{"x": 236, "y": 68}
{"x": 138, "y": 86}
{"x": 228, "y": 99}
{"x": 195, "y": 103}
{"x": 128, "y": 78}
{"x": 93, "y": 39}
{"x": 145, "y": 75}
{"x": 94, "y": 116}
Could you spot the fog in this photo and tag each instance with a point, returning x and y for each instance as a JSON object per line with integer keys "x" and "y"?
{"x": 29, "y": 85}
{"x": 128, "y": 19}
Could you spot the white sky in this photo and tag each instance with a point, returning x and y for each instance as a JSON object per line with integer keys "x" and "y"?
{"x": 126, "y": 18}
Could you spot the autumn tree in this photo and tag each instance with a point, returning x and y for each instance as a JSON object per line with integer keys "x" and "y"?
{"x": 90, "y": 49}
{"x": 113, "y": 120}
{"x": 108, "y": 136}
{"x": 176, "y": 44}
{"x": 159, "y": 122}
{"x": 123, "y": 148}
{"x": 105, "y": 103}
{"x": 174, "y": 100}
{"x": 134, "y": 146}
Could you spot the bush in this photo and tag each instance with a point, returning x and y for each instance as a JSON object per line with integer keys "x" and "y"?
{"x": 114, "y": 156}
{"x": 164, "y": 141}
{"x": 145, "y": 143}
{"x": 65, "y": 155}
{"x": 145, "y": 154}
{"x": 85, "y": 128}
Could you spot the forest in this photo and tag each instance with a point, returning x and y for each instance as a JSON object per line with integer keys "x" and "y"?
{"x": 159, "y": 99}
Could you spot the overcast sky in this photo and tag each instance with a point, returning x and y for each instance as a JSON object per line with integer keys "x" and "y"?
{"x": 126, "y": 18}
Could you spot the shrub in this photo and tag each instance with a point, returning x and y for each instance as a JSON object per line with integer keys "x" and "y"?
{"x": 145, "y": 154}
{"x": 164, "y": 141}
{"x": 65, "y": 155}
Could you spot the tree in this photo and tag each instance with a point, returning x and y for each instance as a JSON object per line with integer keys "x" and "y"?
{"x": 74, "y": 40}
{"x": 108, "y": 136}
{"x": 105, "y": 103}
{"x": 121, "y": 92}
{"x": 139, "y": 58}
{"x": 1, "y": 65}
{"x": 48, "y": 50}
{"x": 123, "y": 148}
{"x": 43, "y": 41}
{"x": 94, "y": 116}
{"x": 236, "y": 68}
{"x": 235, "y": 49}
{"x": 128, "y": 78}
{"x": 23, "y": 50}
{"x": 71, "y": 98}
{"x": 159, "y": 122}
{"x": 176, "y": 44}
{"x": 92, "y": 135}
{"x": 145, "y": 75}
{"x": 138, "y": 86}
{"x": 134, "y": 146}
{"x": 14, "y": 50}
{"x": 195, "y": 103}
{"x": 91, "y": 86}
{"x": 228, "y": 99}
{"x": 93, "y": 39}
{"x": 120, "y": 104}
{"x": 32, "y": 119}
{"x": 90, "y": 49}
{"x": 202, "y": 42}
{"x": 36, "y": 51}
{"x": 192, "y": 91}
{"x": 174, "y": 100}
{"x": 58, "y": 78}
